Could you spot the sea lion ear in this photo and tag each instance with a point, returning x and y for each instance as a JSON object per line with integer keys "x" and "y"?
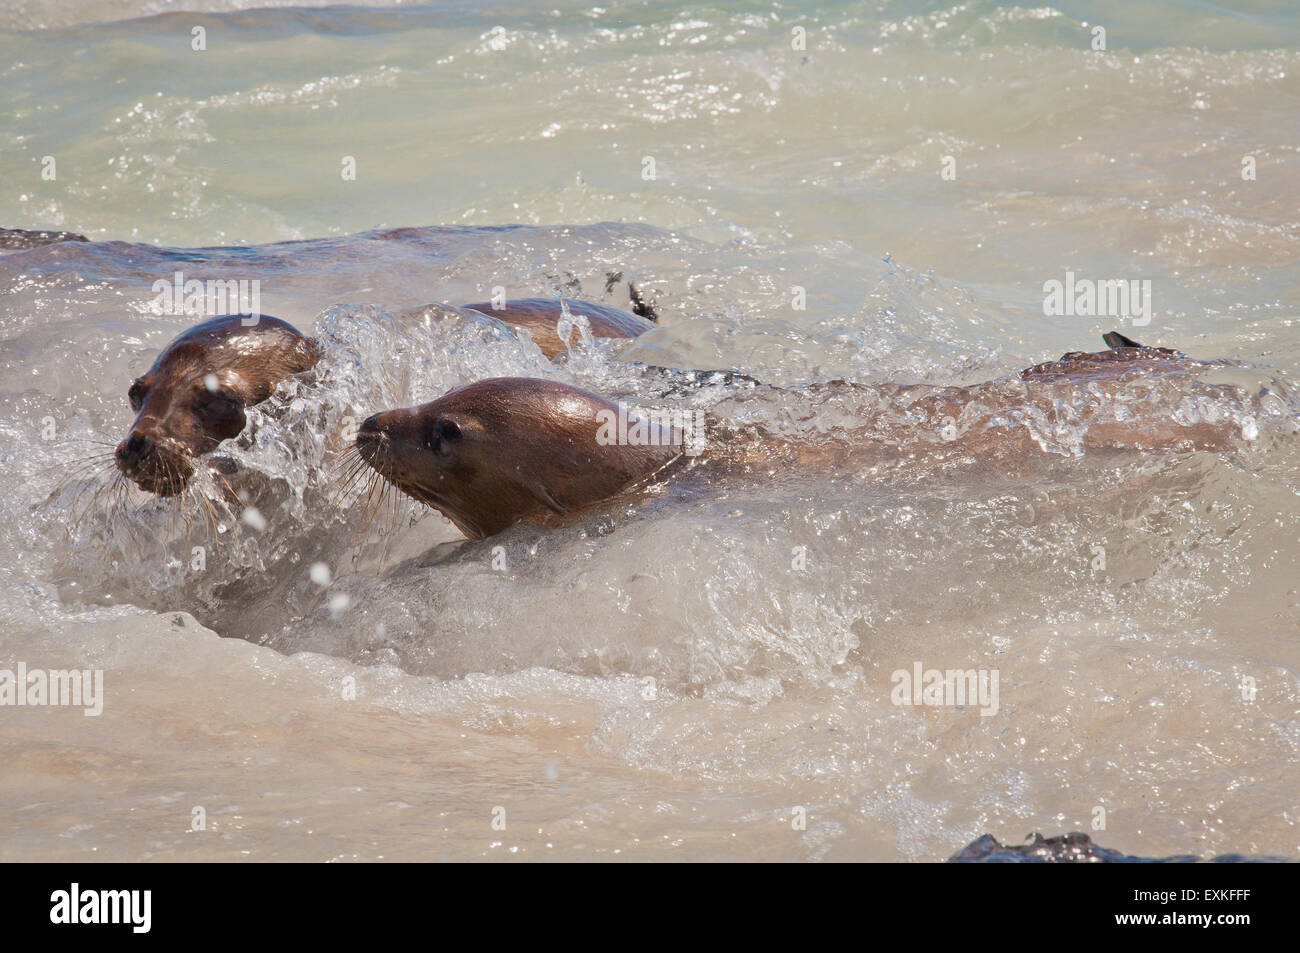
{"x": 135, "y": 396}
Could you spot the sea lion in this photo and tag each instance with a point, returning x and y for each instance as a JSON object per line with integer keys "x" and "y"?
{"x": 195, "y": 394}
{"x": 540, "y": 317}
{"x": 503, "y": 450}
{"x": 494, "y": 452}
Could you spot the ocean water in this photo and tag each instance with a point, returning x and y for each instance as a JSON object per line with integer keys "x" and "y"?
{"x": 696, "y": 675}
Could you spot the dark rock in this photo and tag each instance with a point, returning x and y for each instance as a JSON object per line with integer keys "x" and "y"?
{"x": 1077, "y": 848}
{"x": 16, "y": 239}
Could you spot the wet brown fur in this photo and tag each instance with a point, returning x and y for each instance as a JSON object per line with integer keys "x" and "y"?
{"x": 179, "y": 417}
{"x": 540, "y": 316}
{"x": 497, "y": 451}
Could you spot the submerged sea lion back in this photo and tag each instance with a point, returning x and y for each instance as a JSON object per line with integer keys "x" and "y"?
{"x": 541, "y": 316}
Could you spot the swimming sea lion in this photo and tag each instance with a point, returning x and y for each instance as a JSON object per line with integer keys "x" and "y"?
{"x": 494, "y": 453}
{"x": 195, "y": 394}
{"x": 540, "y": 317}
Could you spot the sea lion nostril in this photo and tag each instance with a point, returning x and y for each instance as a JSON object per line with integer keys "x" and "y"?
{"x": 134, "y": 448}
{"x": 369, "y": 428}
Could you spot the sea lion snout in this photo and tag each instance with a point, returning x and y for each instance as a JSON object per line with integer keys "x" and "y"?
{"x": 377, "y": 428}
{"x": 153, "y": 465}
{"x": 372, "y": 428}
{"x": 392, "y": 441}
{"x": 369, "y": 432}
{"x": 133, "y": 449}
{"x": 371, "y": 441}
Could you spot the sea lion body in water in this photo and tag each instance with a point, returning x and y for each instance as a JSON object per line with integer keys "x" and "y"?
{"x": 500, "y": 451}
{"x": 195, "y": 394}
{"x": 541, "y": 318}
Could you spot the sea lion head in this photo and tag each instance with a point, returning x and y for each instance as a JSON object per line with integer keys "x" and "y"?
{"x": 195, "y": 394}
{"x": 495, "y": 452}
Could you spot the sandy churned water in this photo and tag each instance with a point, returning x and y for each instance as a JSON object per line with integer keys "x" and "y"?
{"x": 709, "y": 673}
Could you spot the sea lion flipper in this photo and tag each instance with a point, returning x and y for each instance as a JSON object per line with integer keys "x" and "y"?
{"x": 1114, "y": 340}
{"x": 1118, "y": 342}
{"x": 640, "y": 306}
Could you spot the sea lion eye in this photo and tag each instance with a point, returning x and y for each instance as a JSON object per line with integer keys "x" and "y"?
{"x": 220, "y": 410}
{"x": 136, "y": 395}
{"x": 445, "y": 433}
{"x": 220, "y": 400}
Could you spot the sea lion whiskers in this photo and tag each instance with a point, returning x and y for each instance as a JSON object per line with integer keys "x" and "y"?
{"x": 208, "y": 508}
{"x": 350, "y": 481}
{"x": 98, "y": 464}
{"x": 345, "y": 470}
{"x": 92, "y": 478}
{"x": 99, "y": 475}
{"x": 103, "y": 493}
{"x": 352, "y": 473}
{"x": 92, "y": 463}
{"x": 196, "y": 490}
{"x": 377, "y": 495}
{"x": 82, "y": 485}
